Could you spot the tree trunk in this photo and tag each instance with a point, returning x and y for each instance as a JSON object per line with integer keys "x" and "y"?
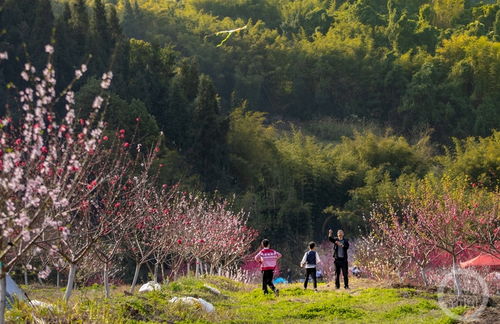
{"x": 162, "y": 272}
{"x": 458, "y": 286}
{"x": 155, "y": 273}
{"x": 106, "y": 280}
{"x": 136, "y": 275}
{"x": 71, "y": 281}
{"x": 197, "y": 268}
{"x": 424, "y": 276}
{"x": 3, "y": 294}
{"x": 57, "y": 278}
{"x": 25, "y": 276}
{"x": 188, "y": 268}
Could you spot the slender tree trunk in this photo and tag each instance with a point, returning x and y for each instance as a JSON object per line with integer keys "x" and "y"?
{"x": 106, "y": 280}
{"x": 3, "y": 294}
{"x": 424, "y": 276}
{"x": 188, "y": 268}
{"x": 57, "y": 278}
{"x": 136, "y": 275}
{"x": 71, "y": 281}
{"x": 162, "y": 272}
{"x": 155, "y": 273}
{"x": 458, "y": 286}
{"x": 197, "y": 268}
{"x": 25, "y": 276}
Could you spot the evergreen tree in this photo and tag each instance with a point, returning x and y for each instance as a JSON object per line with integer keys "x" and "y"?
{"x": 65, "y": 54}
{"x": 41, "y": 33}
{"x": 128, "y": 21}
{"x": 101, "y": 38}
{"x": 176, "y": 118}
{"x": 209, "y": 150}
{"x": 188, "y": 77}
{"x": 114, "y": 25}
{"x": 80, "y": 28}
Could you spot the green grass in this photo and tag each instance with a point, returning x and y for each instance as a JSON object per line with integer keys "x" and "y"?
{"x": 238, "y": 304}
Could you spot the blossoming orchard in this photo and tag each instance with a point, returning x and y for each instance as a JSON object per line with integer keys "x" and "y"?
{"x": 68, "y": 191}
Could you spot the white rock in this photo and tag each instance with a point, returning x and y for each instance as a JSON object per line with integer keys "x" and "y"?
{"x": 212, "y": 289}
{"x": 206, "y": 306}
{"x": 150, "y": 286}
{"x": 38, "y": 303}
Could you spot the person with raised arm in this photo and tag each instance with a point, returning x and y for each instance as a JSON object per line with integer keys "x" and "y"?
{"x": 340, "y": 247}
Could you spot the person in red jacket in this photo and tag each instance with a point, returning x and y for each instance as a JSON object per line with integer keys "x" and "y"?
{"x": 268, "y": 258}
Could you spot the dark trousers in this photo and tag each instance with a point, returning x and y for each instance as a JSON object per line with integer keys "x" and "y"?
{"x": 267, "y": 280}
{"x": 341, "y": 265}
{"x": 310, "y": 272}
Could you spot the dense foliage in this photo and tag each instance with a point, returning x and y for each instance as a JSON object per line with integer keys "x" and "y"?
{"x": 329, "y": 75}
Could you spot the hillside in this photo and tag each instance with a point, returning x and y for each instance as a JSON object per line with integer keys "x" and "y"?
{"x": 312, "y": 114}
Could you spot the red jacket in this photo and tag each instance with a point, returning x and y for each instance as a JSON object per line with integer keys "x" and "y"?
{"x": 267, "y": 258}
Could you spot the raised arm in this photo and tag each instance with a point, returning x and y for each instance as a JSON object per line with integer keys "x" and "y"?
{"x": 330, "y": 236}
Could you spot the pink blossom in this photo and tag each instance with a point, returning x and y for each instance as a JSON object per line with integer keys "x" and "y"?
{"x": 49, "y": 49}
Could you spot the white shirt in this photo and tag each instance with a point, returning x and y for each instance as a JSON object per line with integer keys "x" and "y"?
{"x": 309, "y": 266}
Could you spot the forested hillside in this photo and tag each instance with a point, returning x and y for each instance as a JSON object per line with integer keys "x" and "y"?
{"x": 310, "y": 114}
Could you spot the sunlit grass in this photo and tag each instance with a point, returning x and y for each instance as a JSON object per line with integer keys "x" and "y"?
{"x": 238, "y": 303}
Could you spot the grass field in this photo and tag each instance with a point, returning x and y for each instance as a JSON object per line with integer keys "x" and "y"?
{"x": 238, "y": 303}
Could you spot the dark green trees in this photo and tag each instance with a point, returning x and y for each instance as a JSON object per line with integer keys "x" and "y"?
{"x": 209, "y": 153}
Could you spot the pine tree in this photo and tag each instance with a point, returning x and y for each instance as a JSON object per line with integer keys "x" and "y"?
{"x": 65, "y": 55}
{"x": 79, "y": 30}
{"x": 114, "y": 25}
{"x": 128, "y": 21}
{"x": 189, "y": 78}
{"x": 209, "y": 153}
{"x": 41, "y": 32}
{"x": 101, "y": 39}
{"x": 175, "y": 121}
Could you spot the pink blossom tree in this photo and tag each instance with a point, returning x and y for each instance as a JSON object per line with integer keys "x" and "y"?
{"x": 444, "y": 218}
{"x": 486, "y": 230}
{"x": 153, "y": 229}
{"x": 117, "y": 203}
{"x": 43, "y": 164}
{"x": 214, "y": 233}
{"x": 400, "y": 232}
{"x": 51, "y": 172}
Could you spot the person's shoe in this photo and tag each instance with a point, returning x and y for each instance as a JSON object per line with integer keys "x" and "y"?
{"x": 266, "y": 292}
{"x": 347, "y": 288}
{"x": 315, "y": 290}
{"x": 337, "y": 287}
{"x": 276, "y": 292}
